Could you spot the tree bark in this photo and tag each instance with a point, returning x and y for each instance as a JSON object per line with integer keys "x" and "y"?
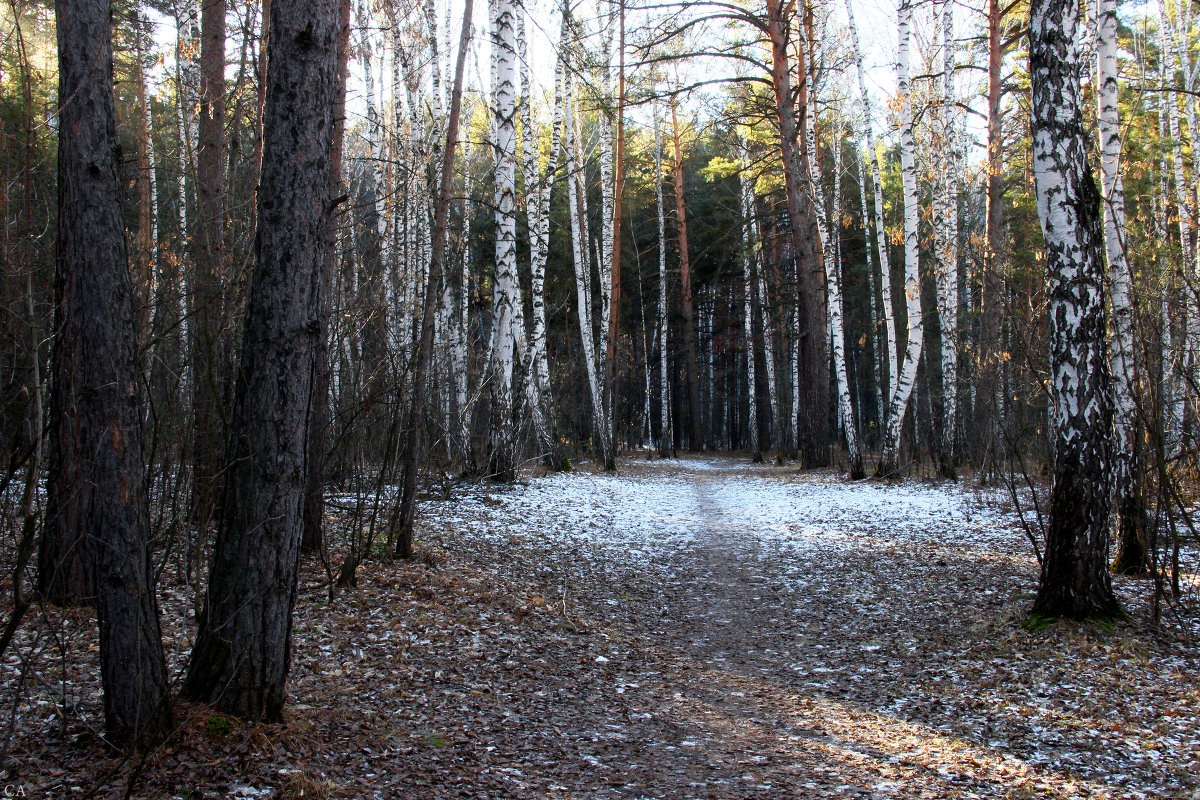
{"x": 749, "y": 248}
{"x": 889, "y": 460}
{"x": 809, "y": 367}
{"x": 665, "y": 437}
{"x": 94, "y": 544}
{"x": 242, "y": 653}
{"x": 946, "y": 244}
{"x": 503, "y": 446}
{"x": 408, "y": 497}
{"x": 695, "y": 421}
{"x": 1133, "y": 557}
{"x": 614, "y": 300}
{"x": 1074, "y": 580}
{"x": 208, "y": 287}
{"x": 318, "y": 425}
{"x": 989, "y": 390}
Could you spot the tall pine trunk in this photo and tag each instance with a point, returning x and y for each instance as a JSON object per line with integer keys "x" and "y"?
{"x": 692, "y": 359}
{"x": 319, "y": 440}
{"x": 242, "y": 653}
{"x": 208, "y": 287}
{"x": 94, "y": 546}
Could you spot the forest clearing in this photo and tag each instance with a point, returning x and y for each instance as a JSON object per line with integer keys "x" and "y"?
{"x": 699, "y": 628}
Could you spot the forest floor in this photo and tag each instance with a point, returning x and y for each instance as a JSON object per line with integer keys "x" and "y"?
{"x": 701, "y": 628}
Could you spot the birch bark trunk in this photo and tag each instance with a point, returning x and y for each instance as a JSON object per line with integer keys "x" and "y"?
{"x": 538, "y": 189}
{"x": 1133, "y": 556}
{"x": 665, "y": 437}
{"x": 579, "y": 241}
{"x": 833, "y": 284}
{"x": 885, "y": 269}
{"x": 503, "y": 446}
{"x": 748, "y": 254}
{"x": 1074, "y": 580}
{"x": 947, "y": 246}
{"x": 889, "y": 460}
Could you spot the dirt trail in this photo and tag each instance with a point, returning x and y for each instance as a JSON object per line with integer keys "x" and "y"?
{"x": 696, "y": 629}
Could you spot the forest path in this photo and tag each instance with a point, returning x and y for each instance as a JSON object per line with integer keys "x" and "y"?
{"x": 692, "y": 628}
{"x": 757, "y": 632}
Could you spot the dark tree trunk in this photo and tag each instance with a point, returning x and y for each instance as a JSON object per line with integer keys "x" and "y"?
{"x": 1133, "y": 552}
{"x": 207, "y": 299}
{"x": 987, "y": 416}
{"x": 441, "y": 214}
{"x": 242, "y": 652}
{"x": 810, "y": 401}
{"x": 1075, "y": 581}
{"x": 695, "y": 427}
{"x": 96, "y": 493}
{"x": 813, "y": 394}
{"x": 318, "y": 426}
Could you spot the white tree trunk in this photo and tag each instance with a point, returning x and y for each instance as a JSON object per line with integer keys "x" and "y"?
{"x": 1074, "y": 579}
{"x": 579, "y": 247}
{"x": 946, "y": 242}
{"x": 665, "y": 439}
{"x": 1121, "y": 357}
{"x": 505, "y": 298}
{"x": 749, "y": 246}
{"x": 538, "y": 191}
{"x": 1186, "y": 222}
{"x": 880, "y": 355}
{"x": 607, "y": 219}
{"x": 885, "y": 270}
{"x": 833, "y": 287}
{"x": 184, "y": 104}
{"x": 889, "y": 463}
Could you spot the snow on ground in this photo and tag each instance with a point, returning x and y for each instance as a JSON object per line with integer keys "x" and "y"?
{"x": 651, "y": 510}
{"x": 701, "y": 628}
{"x": 886, "y": 616}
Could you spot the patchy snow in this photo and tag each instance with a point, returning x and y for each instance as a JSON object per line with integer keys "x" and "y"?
{"x": 638, "y": 515}
{"x": 694, "y": 628}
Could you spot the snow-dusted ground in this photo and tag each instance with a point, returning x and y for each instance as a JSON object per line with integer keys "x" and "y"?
{"x": 702, "y": 628}
{"x": 870, "y": 631}
{"x": 644, "y": 512}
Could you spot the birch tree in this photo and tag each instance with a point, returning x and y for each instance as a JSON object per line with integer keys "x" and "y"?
{"x": 665, "y": 439}
{"x": 748, "y": 256}
{"x": 885, "y": 270}
{"x": 889, "y": 460}
{"x": 503, "y": 455}
{"x": 1074, "y": 578}
{"x": 833, "y": 283}
{"x": 537, "y": 203}
{"x": 1133, "y": 556}
{"x": 946, "y": 240}
{"x": 577, "y": 215}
